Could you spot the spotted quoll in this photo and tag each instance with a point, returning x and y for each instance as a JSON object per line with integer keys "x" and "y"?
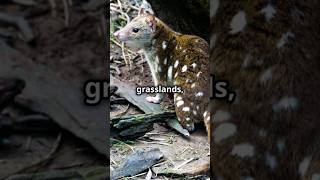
{"x": 269, "y": 51}
{"x": 174, "y": 59}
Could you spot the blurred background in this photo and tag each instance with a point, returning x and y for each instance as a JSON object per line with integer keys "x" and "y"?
{"x": 48, "y": 49}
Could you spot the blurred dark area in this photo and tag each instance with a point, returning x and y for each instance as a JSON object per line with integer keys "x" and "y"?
{"x": 48, "y": 49}
{"x": 192, "y": 16}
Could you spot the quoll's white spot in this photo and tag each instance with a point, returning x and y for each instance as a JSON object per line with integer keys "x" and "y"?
{"x": 165, "y": 61}
{"x": 304, "y": 165}
{"x": 198, "y": 107}
{"x": 238, "y": 22}
{"x": 269, "y": 12}
{"x": 280, "y": 145}
{"x": 199, "y": 94}
{"x": 187, "y": 119}
{"x": 271, "y": 161}
{"x": 176, "y": 74}
{"x": 169, "y": 75}
{"x": 179, "y": 98}
{"x": 286, "y": 103}
{"x": 221, "y": 116}
{"x": 193, "y": 85}
{"x": 194, "y": 112}
{"x": 205, "y": 113}
{"x": 284, "y": 39}
{"x": 266, "y": 76}
{"x": 198, "y": 74}
{"x": 184, "y": 51}
{"x": 164, "y": 45}
{"x": 213, "y": 40}
{"x": 194, "y": 65}
{"x": 186, "y": 109}
{"x": 246, "y": 61}
{"x": 243, "y": 150}
{"x": 224, "y": 131}
{"x": 189, "y": 81}
{"x": 315, "y": 177}
{"x": 180, "y": 103}
{"x": 184, "y": 68}
{"x": 176, "y": 64}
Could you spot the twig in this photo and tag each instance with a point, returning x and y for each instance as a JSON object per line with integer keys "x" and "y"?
{"x": 134, "y": 177}
{"x": 114, "y": 162}
{"x": 121, "y": 12}
{"x": 124, "y": 56}
{"x": 66, "y": 13}
{"x": 123, "y": 143}
{"x": 184, "y": 163}
{"x": 118, "y": 44}
{"x": 161, "y": 143}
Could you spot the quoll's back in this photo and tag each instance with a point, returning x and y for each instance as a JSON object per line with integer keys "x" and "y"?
{"x": 269, "y": 51}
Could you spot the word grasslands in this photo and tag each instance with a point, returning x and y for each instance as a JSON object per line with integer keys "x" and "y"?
{"x": 97, "y": 90}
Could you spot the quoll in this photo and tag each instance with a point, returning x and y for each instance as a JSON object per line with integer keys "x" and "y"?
{"x": 174, "y": 59}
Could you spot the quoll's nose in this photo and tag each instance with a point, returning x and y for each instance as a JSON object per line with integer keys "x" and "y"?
{"x": 116, "y": 34}
{"x": 120, "y": 35}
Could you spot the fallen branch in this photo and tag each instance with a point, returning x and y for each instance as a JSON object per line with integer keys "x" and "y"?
{"x": 132, "y": 127}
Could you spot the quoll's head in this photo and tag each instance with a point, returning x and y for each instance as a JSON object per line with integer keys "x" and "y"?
{"x": 139, "y": 32}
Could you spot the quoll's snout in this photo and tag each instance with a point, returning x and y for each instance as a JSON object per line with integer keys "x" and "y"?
{"x": 116, "y": 34}
{"x": 121, "y": 36}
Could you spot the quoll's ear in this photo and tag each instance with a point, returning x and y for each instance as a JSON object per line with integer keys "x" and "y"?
{"x": 145, "y": 11}
{"x": 152, "y": 22}
{"x": 145, "y": 8}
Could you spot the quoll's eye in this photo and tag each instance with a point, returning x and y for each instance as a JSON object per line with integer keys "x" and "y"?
{"x": 135, "y": 30}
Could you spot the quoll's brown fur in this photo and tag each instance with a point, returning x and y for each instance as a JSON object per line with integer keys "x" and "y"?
{"x": 174, "y": 59}
{"x": 269, "y": 51}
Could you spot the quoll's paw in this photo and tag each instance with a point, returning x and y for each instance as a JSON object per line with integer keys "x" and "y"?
{"x": 189, "y": 126}
{"x": 153, "y": 99}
